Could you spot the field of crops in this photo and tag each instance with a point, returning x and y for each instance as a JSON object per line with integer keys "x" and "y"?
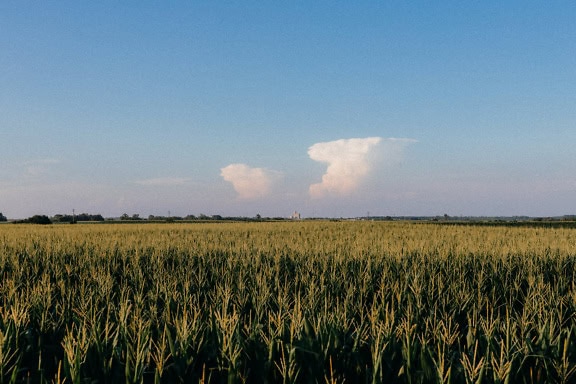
{"x": 310, "y": 302}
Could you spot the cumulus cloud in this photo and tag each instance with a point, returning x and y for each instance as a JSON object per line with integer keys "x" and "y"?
{"x": 163, "y": 181}
{"x": 351, "y": 161}
{"x": 250, "y": 183}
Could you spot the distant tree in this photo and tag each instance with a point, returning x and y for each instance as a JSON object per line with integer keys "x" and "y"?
{"x": 125, "y": 217}
{"x": 39, "y": 219}
{"x": 2, "y": 217}
{"x": 81, "y": 217}
{"x": 58, "y": 218}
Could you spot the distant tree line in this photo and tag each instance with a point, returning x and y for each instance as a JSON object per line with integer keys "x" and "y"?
{"x": 80, "y": 217}
{"x": 184, "y": 218}
{"x": 36, "y": 219}
{"x": 83, "y": 217}
{"x": 203, "y": 217}
{"x": 43, "y": 219}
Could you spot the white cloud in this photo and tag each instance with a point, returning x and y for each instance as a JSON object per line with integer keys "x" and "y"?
{"x": 40, "y": 167}
{"x": 163, "y": 181}
{"x": 250, "y": 183}
{"x": 351, "y": 161}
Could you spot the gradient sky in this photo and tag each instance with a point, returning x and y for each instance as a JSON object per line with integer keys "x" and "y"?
{"x": 328, "y": 108}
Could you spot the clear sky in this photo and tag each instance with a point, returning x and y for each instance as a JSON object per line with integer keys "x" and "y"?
{"x": 324, "y": 107}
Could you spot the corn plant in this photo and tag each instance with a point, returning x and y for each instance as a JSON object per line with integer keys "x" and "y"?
{"x": 314, "y": 301}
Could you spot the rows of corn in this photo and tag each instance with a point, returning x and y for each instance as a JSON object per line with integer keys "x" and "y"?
{"x": 310, "y": 302}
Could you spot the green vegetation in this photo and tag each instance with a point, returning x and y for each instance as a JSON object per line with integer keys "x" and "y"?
{"x": 360, "y": 302}
{"x": 36, "y": 219}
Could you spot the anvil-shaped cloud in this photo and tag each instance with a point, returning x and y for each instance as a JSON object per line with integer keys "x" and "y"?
{"x": 250, "y": 183}
{"x": 350, "y": 161}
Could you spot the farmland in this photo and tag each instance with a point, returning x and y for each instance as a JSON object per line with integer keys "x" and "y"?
{"x": 365, "y": 302}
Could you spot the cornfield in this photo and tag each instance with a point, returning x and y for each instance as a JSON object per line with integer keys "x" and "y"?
{"x": 307, "y": 302}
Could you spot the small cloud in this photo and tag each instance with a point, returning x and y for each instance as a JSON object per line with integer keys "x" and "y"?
{"x": 163, "y": 181}
{"x": 250, "y": 183}
{"x": 35, "y": 168}
{"x": 350, "y": 162}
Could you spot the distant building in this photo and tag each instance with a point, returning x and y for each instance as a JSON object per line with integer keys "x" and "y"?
{"x": 295, "y": 216}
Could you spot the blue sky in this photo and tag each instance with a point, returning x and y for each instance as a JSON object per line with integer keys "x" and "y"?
{"x": 328, "y": 108}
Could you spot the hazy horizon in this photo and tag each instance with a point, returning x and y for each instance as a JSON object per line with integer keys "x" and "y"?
{"x": 328, "y": 109}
